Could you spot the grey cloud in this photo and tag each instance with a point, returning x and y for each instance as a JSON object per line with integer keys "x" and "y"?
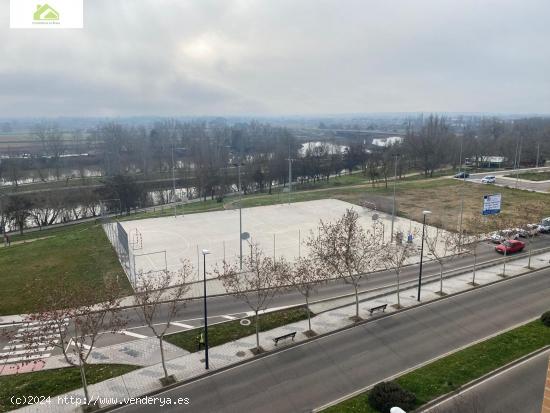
{"x": 172, "y": 57}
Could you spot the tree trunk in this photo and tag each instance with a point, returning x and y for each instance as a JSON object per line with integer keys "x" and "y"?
{"x": 356, "y": 301}
{"x": 529, "y": 262}
{"x": 307, "y": 309}
{"x": 398, "y": 288}
{"x": 161, "y": 345}
{"x": 84, "y": 381}
{"x": 474, "y": 272}
{"x": 257, "y": 330}
{"x": 441, "y": 278}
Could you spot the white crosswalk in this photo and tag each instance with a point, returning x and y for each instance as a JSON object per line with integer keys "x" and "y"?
{"x": 42, "y": 334}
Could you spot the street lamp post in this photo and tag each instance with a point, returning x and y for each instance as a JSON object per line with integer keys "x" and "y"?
{"x": 240, "y": 217}
{"x": 204, "y": 254}
{"x": 424, "y": 213}
{"x": 393, "y": 206}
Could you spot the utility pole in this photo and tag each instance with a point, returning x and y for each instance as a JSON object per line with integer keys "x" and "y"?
{"x": 538, "y": 154}
{"x": 396, "y": 156}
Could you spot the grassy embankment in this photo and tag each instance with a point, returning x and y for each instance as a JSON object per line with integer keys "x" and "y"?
{"x": 532, "y": 176}
{"x": 80, "y": 252}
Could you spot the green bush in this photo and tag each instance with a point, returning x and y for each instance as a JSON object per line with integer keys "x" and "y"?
{"x": 386, "y": 395}
{"x": 545, "y": 318}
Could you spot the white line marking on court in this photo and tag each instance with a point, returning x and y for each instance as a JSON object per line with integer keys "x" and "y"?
{"x": 182, "y": 325}
{"x": 131, "y": 334}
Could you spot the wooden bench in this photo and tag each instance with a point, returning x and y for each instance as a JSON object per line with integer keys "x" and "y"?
{"x": 289, "y": 335}
{"x": 379, "y": 308}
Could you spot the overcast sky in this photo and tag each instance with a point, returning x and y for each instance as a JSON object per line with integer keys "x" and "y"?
{"x": 280, "y": 57}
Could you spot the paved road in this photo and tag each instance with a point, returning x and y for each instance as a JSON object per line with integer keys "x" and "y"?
{"x": 517, "y": 390}
{"x": 508, "y": 178}
{"x": 312, "y": 374}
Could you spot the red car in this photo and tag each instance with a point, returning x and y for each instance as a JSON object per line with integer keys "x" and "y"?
{"x": 510, "y": 247}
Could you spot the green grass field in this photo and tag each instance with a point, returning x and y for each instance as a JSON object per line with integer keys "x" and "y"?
{"x": 53, "y": 382}
{"x": 449, "y": 373}
{"x": 532, "y": 176}
{"x": 225, "y": 332}
{"x": 81, "y": 252}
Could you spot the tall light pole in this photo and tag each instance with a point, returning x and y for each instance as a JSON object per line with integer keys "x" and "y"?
{"x": 461, "y": 194}
{"x": 174, "y": 183}
{"x": 240, "y": 217}
{"x": 538, "y": 154}
{"x": 206, "y": 366}
{"x": 394, "y": 184}
{"x": 424, "y": 213}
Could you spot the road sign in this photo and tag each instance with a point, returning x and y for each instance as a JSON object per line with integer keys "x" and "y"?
{"x": 491, "y": 204}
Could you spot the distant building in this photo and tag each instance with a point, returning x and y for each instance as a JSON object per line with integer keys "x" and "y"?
{"x": 383, "y": 142}
{"x": 486, "y": 161}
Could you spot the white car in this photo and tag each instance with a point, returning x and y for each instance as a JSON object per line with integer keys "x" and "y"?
{"x": 489, "y": 179}
{"x": 545, "y": 225}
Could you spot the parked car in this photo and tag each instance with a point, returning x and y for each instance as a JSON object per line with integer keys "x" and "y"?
{"x": 503, "y": 235}
{"x": 462, "y": 175}
{"x": 489, "y": 179}
{"x": 509, "y": 247}
{"x": 529, "y": 230}
{"x": 545, "y": 225}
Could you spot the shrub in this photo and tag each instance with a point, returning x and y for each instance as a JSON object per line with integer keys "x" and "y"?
{"x": 545, "y": 318}
{"x": 386, "y": 395}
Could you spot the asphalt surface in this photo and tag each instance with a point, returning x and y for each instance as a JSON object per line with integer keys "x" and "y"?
{"x": 517, "y": 390}
{"x": 312, "y": 374}
{"x": 540, "y": 186}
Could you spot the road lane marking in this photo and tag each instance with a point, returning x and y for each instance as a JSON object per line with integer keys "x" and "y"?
{"x": 229, "y": 317}
{"x": 187, "y": 326}
{"x": 132, "y": 334}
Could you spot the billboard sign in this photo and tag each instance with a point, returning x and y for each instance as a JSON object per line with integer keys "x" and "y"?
{"x": 492, "y": 204}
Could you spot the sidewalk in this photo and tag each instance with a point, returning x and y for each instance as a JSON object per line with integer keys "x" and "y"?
{"x": 190, "y": 365}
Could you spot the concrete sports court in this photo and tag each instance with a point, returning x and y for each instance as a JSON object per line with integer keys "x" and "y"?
{"x": 279, "y": 229}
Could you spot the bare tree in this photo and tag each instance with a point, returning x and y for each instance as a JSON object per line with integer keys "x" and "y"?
{"x": 471, "y": 240}
{"x": 346, "y": 250}
{"x": 159, "y": 298}
{"x": 440, "y": 245}
{"x": 70, "y": 316}
{"x": 305, "y": 276}
{"x": 256, "y": 284}
{"x": 394, "y": 256}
